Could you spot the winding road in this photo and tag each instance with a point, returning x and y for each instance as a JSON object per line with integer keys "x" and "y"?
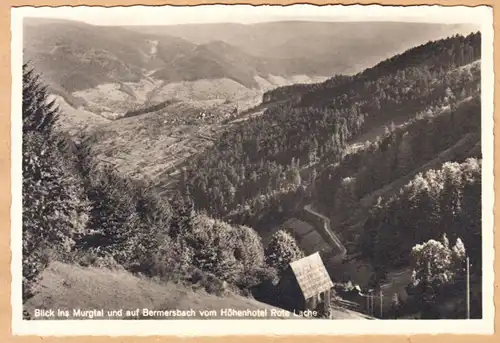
{"x": 328, "y": 232}
{"x": 397, "y": 280}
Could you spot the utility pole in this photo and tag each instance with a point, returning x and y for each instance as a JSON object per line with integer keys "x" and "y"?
{"x": 367, "y": 304}
{"x": 381, "y": 296}
{"x": 373, "y": 303}
{"x": 467, "y": 301}
{"x": 370, "y": 303}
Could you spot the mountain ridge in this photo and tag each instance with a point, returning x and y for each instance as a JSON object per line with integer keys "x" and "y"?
{"x": 131, "y": 46}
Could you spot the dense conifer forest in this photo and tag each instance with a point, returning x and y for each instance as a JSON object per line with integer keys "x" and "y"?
{"x": 408, "y": 184}
{"x": 265, "y": 157}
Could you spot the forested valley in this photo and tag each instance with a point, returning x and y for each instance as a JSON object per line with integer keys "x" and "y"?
{"x": 415, "y": 180}
{"x": 261, "y": 169}
{"x": 407, "y": 184}
{"x": 79, "y": 212}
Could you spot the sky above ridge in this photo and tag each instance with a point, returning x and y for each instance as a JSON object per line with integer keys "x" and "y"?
{"x": 247, "y": 14}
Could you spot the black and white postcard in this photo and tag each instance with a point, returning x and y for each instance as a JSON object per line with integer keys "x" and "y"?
{"x": 235, "y": 169}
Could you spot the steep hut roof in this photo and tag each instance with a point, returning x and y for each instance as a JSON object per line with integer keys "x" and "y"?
{"x": 311, "y": 275}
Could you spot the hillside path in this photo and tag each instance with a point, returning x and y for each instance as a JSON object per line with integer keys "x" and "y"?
{"x": 327, "y": 231}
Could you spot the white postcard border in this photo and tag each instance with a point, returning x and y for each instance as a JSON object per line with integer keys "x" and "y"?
{"x": 482, "y": 15}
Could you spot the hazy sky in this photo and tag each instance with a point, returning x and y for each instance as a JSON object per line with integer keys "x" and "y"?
{"x": 168, "y": 15}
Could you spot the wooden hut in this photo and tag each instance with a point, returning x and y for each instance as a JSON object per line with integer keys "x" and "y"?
{"x": 305, "y": 284}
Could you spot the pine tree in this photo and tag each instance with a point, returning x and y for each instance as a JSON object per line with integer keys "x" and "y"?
{"x": 345, "y": 199}
{"x": 113, "y": 218}
{"x": 404, "y": 155}
{"x": 54, "y": 205}
{"x": 39, "y": 114}
{"x": 182, "y": 215}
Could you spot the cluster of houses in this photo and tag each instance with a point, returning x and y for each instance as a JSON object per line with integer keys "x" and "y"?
{"x": 213, "y": 115}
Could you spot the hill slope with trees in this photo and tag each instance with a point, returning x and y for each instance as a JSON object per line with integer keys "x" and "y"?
{"x": 308, "y": 149}
{"x": 83, "y": 215}
{"x": 266, "y": 158}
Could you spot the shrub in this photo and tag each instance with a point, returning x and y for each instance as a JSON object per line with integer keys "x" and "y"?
{"x": 282, "y": 250}
{"x": 249, "y": 249}
{"x": 173, "y": 260}
{"x": 214, "y": 244}
{"x": 88, "y": 259}
{"x": 323, "y": 310}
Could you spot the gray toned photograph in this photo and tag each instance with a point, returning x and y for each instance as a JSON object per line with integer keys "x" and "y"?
{"x": 253, "y": 168}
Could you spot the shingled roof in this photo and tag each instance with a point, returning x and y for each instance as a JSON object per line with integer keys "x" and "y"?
{"x": 311, "y": 275}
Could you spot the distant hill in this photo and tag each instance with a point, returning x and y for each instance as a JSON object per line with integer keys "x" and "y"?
{"x": 321, "y": 48}
{"x": 113, "y": 70}
{"x": 76, "y": 56}
{"x": 215, "y": 60}
{"x": 110, "y": 71}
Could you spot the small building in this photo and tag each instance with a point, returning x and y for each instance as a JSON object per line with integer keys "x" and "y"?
{"x": 305, "y": 284}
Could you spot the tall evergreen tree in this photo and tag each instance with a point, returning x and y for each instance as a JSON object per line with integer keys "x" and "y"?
{"x": 54, "y": 205}
{"x": 39, "y": 113}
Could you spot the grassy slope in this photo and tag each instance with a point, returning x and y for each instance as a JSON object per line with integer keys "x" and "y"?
{"x": 66, "y": 286}
{"x": 76, "y": 121}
